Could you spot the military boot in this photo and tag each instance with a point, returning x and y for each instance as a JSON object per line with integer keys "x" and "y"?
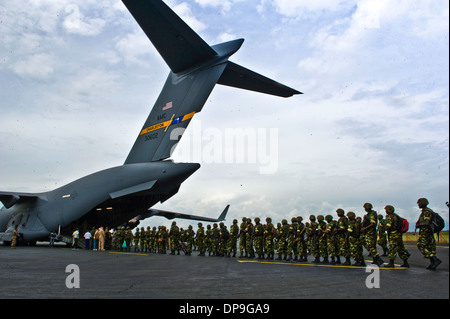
{"x": 347, "y": 262}
{"x": 338, "y": 260}
{"x": 405, "y": 263}
{"x": 434, "y": 262}
{"x": 390, "y": 264}
{"x": 325, "y": 260}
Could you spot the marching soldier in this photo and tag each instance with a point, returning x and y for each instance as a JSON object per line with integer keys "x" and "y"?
{"x": 300, "y": 239}
{"x": 234, "y": 235}
{"x": 395, "y": 237}
{"x": 269, "y": 234}
{"x": 370, "y": 230}
{"x": 354, "y": 239}
{"x": 332, "y": 246}
{"x": 200, "y": 239}
{"x": 382, "y": 239}
{"x": 312, "y": 237}
{"x": 341, "y": 230}
{"x": 322, "y": 239}
{"x": 258, "y": 238}
{"x": 426, "y": 242}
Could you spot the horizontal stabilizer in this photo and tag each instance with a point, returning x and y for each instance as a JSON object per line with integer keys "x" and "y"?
{"x": 240, "y": 77}
{"x": 9, "y": 199}
{"x": 172, "y": 215}
{"x": 177, "y": 43}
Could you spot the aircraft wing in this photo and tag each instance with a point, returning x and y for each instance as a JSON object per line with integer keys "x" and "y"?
{"x": 172, "y": 215}
{"x": 9, "y": 199}
{"x": 239, "y": 77}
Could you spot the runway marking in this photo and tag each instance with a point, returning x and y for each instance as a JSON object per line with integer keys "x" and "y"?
{"x": 319, "y": 265}
{"x": 122, "y": 253}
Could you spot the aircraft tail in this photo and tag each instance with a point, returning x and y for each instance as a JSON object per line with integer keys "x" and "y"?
{"x": 195, "y": 69}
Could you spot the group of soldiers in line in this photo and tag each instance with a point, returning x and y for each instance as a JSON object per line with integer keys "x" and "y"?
{"x": 322, "y": 237}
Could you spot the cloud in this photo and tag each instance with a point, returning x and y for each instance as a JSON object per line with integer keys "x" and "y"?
{"x": 76, "y": 22}
{"x": 37, "y": 66}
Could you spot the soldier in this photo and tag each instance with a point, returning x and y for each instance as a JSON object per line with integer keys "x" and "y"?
{"x": 278, "y": 236}
{"x": 269, "y": 234}
{"x": 249, "y": 251}
{"x": 128, "y": 238}
{"x": 282, "y": 240}
{"x": 234, "y": 235}
{"x": 354, "y": 239}
{"x": 322, "y": 238}
{"x": 242, "y": 237}
{"x": 215, "y": 236}
{"x": 258, "y": 238}
{"x": 108, "y": 239}
{"x": 341, "y": 230}
{"x": 313, "y": 238}
{"x": 291, "y": 248}
{"x": 200, "y": 239}
{"x": 300, "y": 239}
{"x": 332, "y": 246}
{"x": 153, "y": 247}
{"x": 382, "y": 239}
{"x": 189, "y": 239}
{"x": 224, "y": 238}
{"x": 426, "y": 242}
{"x": 142, "y": 240}
{"x": 136, "y": 239}
{"x": 174, "y": 237}
{"x": 369, "y": 228}
{"x": 395, "y": 238}
{"x": 208, "y": 240}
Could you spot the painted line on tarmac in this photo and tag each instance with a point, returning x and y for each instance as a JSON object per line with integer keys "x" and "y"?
{"x": 122, "y": 253}
{"x": 320, "y": 265}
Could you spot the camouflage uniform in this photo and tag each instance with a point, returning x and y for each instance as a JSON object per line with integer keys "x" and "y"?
{"x": 354, "y": 239}
{"x": 426, "y": 242}
{"x": 223, "y": 240}
{"x": 395, "y": 238}
{"x": 300, "y": 240}
{"x": 269, "y": 234}
{"x": 200, "y": 239}
{"x": 215, "y": 236}
{"x": 258, "y": 238}
{"x": 313, "y": 238}
{"x": 322, "y": 238}
{"x": 189, "y": 239}
{"x": 370, "y": 230}
{"x": 136, "y": 239}
{"x": 282, "y": 240}
{"x": 291, "y": 248}
{"x": 242, "y": 237}
{"x": 382, "y": 238}
{"x": 209, "y": 240}
{"x": 344, "y": 248}
{"x": 332, "y": 246}
{"x": 234, "y": 235}
{"x": 249, "y": 251}
{"x": 174, "y": 237}
{"x": 128, "y": 238}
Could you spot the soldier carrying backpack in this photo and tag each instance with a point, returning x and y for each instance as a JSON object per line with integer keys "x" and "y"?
{"x": 426, "y": 242}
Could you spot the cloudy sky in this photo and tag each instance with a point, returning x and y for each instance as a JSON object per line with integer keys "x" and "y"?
{"x": 78, "y": 79}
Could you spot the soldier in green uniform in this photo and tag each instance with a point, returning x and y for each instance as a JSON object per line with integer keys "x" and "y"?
{"x": 291, "y": 248}
{"x": 215, "y": 236}
{"x": 300, "y": 240}
{"x": 313, "y": 238}
{"x": 369, "y": 228}
{"x": 234, "y": 235}
{"x": 153, "y": 247}
{"x": 382, "y": 239}
{"x": 332, "y": 247}
{"x": 142, "y": 240}
{"x": 200, "y": 239}
{"x": 209, "y": 240}
{"x": 128, "y": 238}
{"x": 224, "y": 240}
{"x": 249, "y": 248}
{"x": 426, "y": 242}
{"x": 322, "y": 238}
{"x": 174, "y": 237}
{"x": 136, "y": 239}
{"x": 189, "y": 239}
{"x": 242, "y": 237}
{"x": 354, "y": 239}
{"x": 108, "y": 239}
{"x": 395, "y": 237}
{"x": 269, "y": 234}
{"x": 341, "y": 230}
{"x": 258, "y": 238}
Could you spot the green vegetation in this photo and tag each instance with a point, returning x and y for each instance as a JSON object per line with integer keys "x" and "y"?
{"x": 412, "y": 237}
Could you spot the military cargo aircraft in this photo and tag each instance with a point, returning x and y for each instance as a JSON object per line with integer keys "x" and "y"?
{"x": 125, "y": 194}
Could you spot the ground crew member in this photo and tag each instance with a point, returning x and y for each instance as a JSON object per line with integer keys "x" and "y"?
{"x": 395, "y": 237}
{"x": 426, "y": 242}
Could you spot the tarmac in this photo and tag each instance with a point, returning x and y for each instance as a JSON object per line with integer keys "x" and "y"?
{"x": 41, "y": 272}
